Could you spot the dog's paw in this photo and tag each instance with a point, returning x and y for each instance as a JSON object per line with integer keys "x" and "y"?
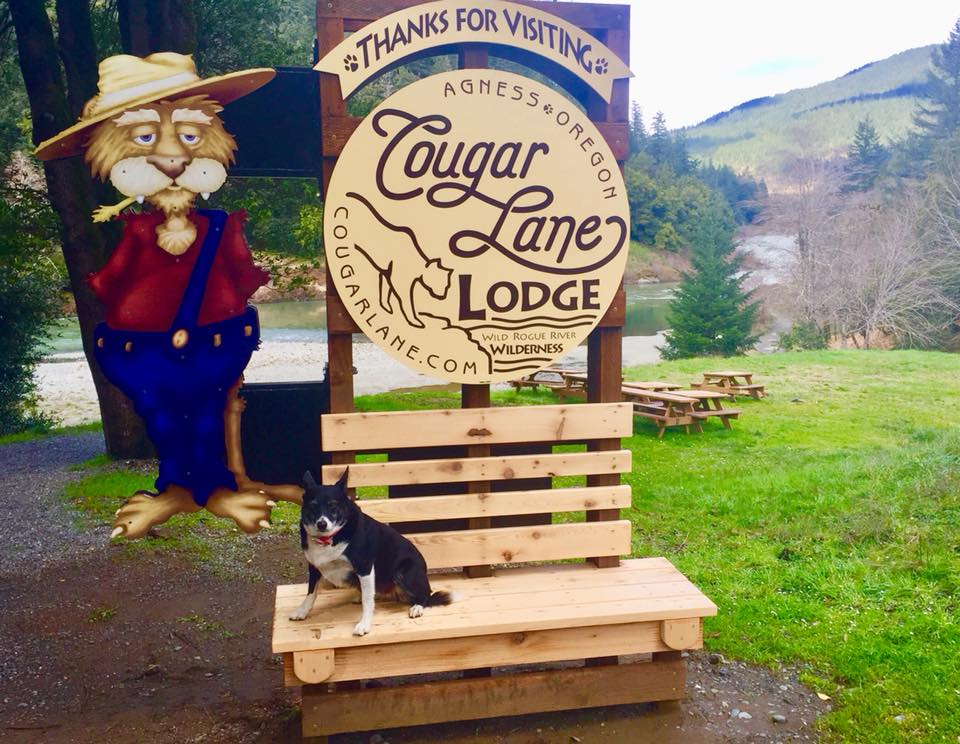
{"x": 416, "y": 610}
{"x": 299, "y": 614}
{"x": 361, "y": 628}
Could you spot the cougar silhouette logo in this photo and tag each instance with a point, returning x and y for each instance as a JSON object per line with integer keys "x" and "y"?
{"x": 400, "y": 275}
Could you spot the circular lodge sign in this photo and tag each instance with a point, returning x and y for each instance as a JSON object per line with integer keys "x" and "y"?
{"x": 476, "y": 226}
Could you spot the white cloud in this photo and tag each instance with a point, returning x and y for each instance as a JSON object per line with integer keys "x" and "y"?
{"x": 695, "y": 58}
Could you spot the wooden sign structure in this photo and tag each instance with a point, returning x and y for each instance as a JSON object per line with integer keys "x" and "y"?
{"x": 489, "y": 470}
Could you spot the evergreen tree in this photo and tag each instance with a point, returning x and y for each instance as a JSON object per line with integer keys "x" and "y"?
{"x": 660, "y": 143}
{"x": 711, "y": 314}
{"x": 941, "y": 117}
{"x": 638, "y": 131}
{"x": 680, "y": 160}
{"x": 865, "y": 158}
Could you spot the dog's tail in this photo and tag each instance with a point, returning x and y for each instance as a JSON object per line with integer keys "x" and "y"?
{"x": 437, "y": 599}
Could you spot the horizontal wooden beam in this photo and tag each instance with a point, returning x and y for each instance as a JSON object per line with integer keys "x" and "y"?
{"x": 585, "y": 15}
{"x": 453, "y": 654}
{"x": 496, "y": 504}
{"x": 548, "y": 542}
{"x": 462, "y": 470}
{"x": 377, "y": 432}
{"x": 338, "y": 129}
{"x": 326, "y": 712}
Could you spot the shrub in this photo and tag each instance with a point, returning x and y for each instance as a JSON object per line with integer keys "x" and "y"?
{"x": 804, "y": 336}
{"x": 29, "y": 301}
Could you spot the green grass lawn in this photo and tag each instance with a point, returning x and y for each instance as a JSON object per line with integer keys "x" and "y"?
{"x": 825, "y": 526}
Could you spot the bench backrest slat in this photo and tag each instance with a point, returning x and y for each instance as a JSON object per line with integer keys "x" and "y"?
{"x": 374, "y": 432}
{"x": 458, "y": 506}
{"x": 463, "y": 469}
{"x": 548, "y": 542}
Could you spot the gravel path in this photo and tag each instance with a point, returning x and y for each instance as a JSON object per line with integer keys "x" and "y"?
{"x": 34, "y": 527}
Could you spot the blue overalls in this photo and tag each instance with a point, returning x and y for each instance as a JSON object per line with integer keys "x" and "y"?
{"x": 178, "y": 380}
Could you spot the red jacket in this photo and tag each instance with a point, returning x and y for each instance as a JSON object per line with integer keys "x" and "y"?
{"x": 141, "y": 285}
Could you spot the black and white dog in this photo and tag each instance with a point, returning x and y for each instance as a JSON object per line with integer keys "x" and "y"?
{"x": 347, "y": 548}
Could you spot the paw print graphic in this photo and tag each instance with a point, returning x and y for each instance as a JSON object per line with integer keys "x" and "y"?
{"x": 601, "y": 66}
{"x": 547, "y": 108}
{"x": 351, "y": 63}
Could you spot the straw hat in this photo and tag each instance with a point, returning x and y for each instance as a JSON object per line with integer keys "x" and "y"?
{"x": 127, "y": 81}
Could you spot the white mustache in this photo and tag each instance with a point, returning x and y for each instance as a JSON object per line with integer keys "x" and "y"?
{"x": 137, "y": 178}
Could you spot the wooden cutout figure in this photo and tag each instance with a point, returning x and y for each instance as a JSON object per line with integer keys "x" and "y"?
{"x": 178, "y": 331}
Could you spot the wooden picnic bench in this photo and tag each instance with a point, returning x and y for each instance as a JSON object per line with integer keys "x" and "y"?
{"x": 664, "y": 409}
{"x": 703, "y": 411}
{"x": 518, "y": 613}
{"x": 732, "y": 382}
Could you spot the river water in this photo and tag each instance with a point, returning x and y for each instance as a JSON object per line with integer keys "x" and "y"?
{"x": 294, "y": 348}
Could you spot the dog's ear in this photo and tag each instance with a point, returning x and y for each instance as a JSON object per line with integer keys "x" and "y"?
{"x": 308, "y": 481}
{"x": 342, "y": 483}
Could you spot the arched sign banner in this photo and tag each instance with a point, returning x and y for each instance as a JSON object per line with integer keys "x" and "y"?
{"x": 476, "y": 226}
{"x": 395, "y": 37}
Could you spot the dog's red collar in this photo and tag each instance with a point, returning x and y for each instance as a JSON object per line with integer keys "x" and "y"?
{"x": 325, "y": 539}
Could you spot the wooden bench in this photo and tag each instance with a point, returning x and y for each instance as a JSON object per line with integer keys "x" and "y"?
{"x": 724, "y": 415}
{"x": 703, "y": 411}
{"x": 527, "y": 612}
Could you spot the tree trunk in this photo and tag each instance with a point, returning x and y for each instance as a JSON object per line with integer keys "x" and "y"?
{"x": 78, "y": 52}
{"x": 148, "y": 26}
{"x": 133, "y": 16}
{"x": 71, "y": 192}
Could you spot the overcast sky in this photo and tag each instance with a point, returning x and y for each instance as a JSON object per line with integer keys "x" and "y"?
{"x": 695, "y": 58}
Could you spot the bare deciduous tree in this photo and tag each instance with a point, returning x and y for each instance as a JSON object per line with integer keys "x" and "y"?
{"x": 866, "y": 270}
{"x": 890, "y": 277}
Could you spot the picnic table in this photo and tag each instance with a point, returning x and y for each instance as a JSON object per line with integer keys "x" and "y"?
{"x": 551, "y": 377}
{"x": 732, "y": 382}
{"x": 656, "y": 385}
{"x": 664, "y": 409}
{"x": 703, "y": 410}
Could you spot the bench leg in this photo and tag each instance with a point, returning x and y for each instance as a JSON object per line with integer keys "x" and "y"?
{"x": 726, "y": 422}
{"x": 660, "y": 430}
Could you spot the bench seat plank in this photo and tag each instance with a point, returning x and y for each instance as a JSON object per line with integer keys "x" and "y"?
{"x": 516, "y": 600}
{"x": 375, "y": 432}
{"x": 461, "y": 470}
{"x": 722, "y": 413}
{"x": 497, "y": 504}
{"x": 517, "y": 579}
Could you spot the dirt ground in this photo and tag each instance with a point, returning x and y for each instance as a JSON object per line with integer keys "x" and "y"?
{"x": 104, "y": 646}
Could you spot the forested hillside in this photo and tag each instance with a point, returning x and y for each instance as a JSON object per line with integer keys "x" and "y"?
{"x": 760, "y": 135}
